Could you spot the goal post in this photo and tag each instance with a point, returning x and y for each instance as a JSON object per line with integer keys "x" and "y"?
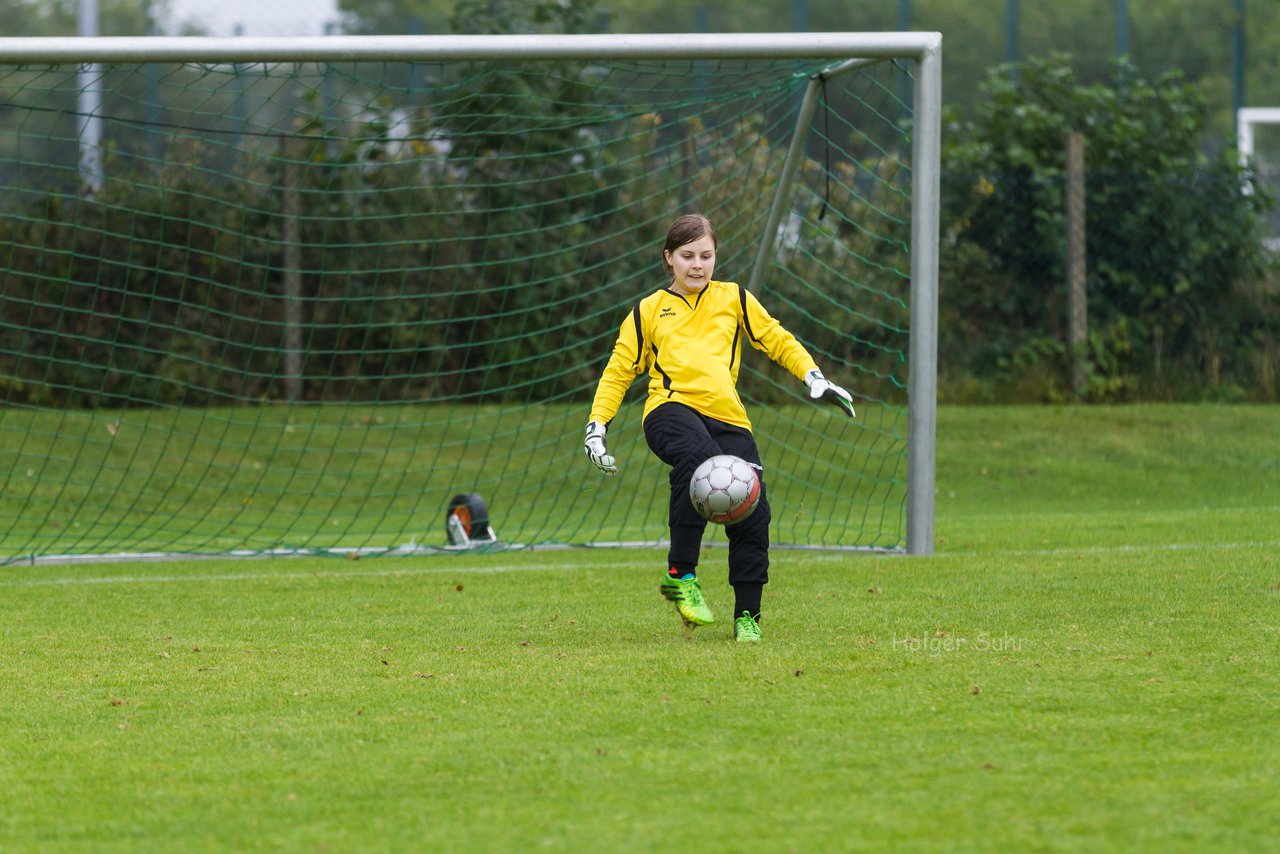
{"x": 312, "y": 288}
{"x": 1258, "y": 141}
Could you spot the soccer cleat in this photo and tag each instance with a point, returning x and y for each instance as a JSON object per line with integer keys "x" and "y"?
{"x": 686, "y": 593}
{"x": 746, "y": 629}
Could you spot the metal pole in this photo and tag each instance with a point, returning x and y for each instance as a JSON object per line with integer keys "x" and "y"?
{"x": 700, "y": 71}
{"x": 922, "y": 379}
{"x": 800, "y": 16}
{"x": 904, "y": 25}
{"x": 1238, "y": 57}
{"x": 88, "y": 105}
{"x": 415, "y": 69}
{"x": 291, "y": 262}
{"x": 1122, "y": 29}
{"x": 239, "y": 110}
{"x": 706, "y": 46}
{"x": 328, "y": 99}
{"x": 1011, "y": 31}
{"x": 155, "y": 142}
{"x": 1077, "y": 311}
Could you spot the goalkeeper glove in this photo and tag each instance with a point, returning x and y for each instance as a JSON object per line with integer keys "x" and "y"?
{"x": 819, "y": 387}
{"x": 596, "y": 451}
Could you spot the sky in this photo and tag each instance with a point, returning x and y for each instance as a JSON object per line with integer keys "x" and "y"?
{"x": 256, "y": 17}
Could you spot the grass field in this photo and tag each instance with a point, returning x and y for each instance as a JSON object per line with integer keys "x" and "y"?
{"x": 1090, "y": 662}
{"x": 313, "y": 478}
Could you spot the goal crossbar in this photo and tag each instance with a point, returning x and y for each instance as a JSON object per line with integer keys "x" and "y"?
{"x": 919, "y": 46}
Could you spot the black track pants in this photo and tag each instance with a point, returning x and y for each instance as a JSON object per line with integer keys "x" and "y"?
{"x": 683, "y": 438}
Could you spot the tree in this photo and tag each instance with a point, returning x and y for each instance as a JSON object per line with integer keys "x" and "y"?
{"x": 1190, "y": 36}
{"x": 397, "y": 16}
{"x": 60, "y": 17}
{"x": 1173, "y": 240}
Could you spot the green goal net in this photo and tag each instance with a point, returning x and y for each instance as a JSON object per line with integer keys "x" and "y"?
{"x": 296, "y": 305}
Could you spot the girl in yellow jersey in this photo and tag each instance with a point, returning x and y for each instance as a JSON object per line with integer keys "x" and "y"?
{"x": 688, "y": 337}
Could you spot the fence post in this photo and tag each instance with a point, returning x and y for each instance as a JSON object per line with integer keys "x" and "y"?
{"x": 1011, "y": 49}
{"x": 1237, "y": 57}
{"x": 291, "y": 261}
{"x": 1123, "y": 49}
{"x": 1077, "y": 312}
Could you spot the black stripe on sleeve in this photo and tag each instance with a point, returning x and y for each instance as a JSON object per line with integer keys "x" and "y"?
{"x": 746, "y": 322}
{"x": 635, "y": 317}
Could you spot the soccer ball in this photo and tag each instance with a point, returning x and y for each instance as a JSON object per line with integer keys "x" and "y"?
{"x": 724, "y": 489}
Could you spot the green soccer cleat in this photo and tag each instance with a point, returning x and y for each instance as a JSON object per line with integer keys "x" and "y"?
{"x": 687, "y": 596}
{"x": 746, "y": 629}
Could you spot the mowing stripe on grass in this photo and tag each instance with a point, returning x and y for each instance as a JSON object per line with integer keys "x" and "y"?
{"x": 293, "y": 576}
{"x": 271, "y": 575}
{"x": 1166, "y": 547}
{"x": 1070, "y": 550}
{"x": 1138, "y": 510}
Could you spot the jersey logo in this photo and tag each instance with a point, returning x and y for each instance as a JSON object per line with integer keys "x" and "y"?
{"x": 667, "y": 311}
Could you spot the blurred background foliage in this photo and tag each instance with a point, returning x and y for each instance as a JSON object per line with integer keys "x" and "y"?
{"x": 1197, "y": 38}
{"x": 1183, "y": 297}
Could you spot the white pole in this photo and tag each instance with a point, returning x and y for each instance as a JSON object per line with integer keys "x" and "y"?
{"x": 922, "y": 365}
{"x": 88, "y": 102}
{"x": 440, "y": 48}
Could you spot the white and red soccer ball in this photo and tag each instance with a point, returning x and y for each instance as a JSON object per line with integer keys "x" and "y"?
{"x": 724, "y": 489}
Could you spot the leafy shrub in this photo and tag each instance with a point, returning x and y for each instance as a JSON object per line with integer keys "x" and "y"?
{"x": 1174, "y": 244}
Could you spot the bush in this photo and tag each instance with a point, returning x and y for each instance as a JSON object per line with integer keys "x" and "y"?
{"x": 1174, "y": 244}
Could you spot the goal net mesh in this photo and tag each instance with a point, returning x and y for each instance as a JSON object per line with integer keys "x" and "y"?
{"x": 297, "y": 307}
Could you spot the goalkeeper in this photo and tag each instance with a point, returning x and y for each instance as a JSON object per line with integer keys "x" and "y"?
{"x": 688, "y": 337}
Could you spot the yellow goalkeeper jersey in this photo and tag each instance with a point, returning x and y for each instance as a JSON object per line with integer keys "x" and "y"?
{"x": 691, "y": 347}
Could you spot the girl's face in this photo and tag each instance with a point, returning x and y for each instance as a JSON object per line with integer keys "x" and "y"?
{"x": 692, "y": 265}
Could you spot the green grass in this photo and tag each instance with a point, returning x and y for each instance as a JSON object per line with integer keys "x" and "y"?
{"x": 1089, "y": 663}
{"x": 271, "y": 477}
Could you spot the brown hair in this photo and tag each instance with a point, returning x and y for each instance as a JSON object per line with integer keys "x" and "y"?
{"x": 687, "y": 229}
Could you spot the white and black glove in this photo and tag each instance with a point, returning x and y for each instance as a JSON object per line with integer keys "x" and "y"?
{"x": 596, "y": 451}
{"x": 821, "y": 389}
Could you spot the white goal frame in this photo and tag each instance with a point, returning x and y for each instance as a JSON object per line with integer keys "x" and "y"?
{"x": 845, "y": 50}
{"x": 1248, "y": 118}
